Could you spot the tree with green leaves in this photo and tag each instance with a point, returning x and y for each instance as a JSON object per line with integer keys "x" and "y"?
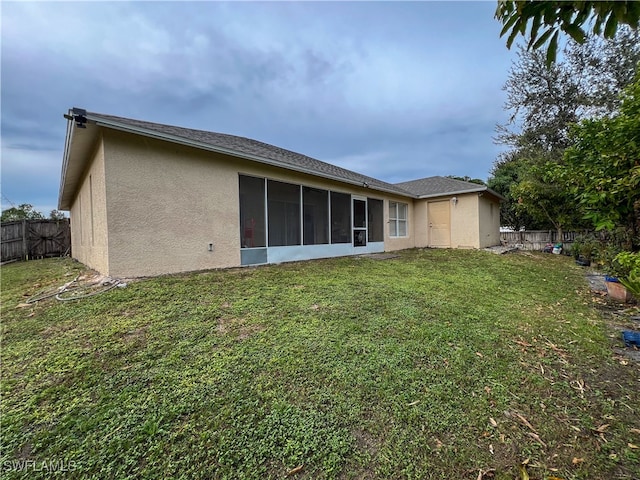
{"x": 24, "y": 211}
{"x": 545, "y": 197}
{"x": 545, "y": 102}
{"x": 467, "y": 179}
{"x": 542, "y": 21}
{"x": 602, "y": 68}
{"x": 57, "y": 215}
{"x": 507, "y": 172}
{"x": 603, "y": 167}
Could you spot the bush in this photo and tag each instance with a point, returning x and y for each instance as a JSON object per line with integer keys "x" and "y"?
{"x": 611, "y": 243}
{"x": 585, "y": 246}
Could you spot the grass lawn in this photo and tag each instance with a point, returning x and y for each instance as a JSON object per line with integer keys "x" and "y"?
{"x": 437, "y": 364}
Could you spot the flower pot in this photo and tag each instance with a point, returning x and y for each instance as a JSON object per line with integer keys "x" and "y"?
{"x": 618, "y": 292}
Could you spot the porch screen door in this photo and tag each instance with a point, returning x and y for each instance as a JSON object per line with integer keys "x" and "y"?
{"x": 359, "y": 222}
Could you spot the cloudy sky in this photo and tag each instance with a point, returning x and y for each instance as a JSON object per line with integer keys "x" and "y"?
{"x": 395, "y": 90}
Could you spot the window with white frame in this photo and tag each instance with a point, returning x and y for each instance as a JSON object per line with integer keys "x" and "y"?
{"x": 398, "y": 219}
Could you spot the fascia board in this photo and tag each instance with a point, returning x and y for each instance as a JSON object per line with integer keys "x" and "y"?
{"x": 462, "y": 192}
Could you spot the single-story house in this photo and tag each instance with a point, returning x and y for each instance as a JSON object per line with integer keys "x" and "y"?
{"x": 148, "y": 199}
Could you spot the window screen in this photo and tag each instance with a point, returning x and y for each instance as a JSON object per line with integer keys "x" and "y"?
{"x": 284, "y": 213}
{"x": 252, "y": 221}
{"x": 376, "y": 220}
{"x": 315, "y": 215}
{"x": 340, "y": 218}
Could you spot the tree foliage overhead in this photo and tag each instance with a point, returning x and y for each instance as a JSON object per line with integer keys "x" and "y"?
{"x": 542, "y": 21}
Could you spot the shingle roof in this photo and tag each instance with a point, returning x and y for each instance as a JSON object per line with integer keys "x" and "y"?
{"x": 437, "y": 186}
{"x": 246, "y": 148}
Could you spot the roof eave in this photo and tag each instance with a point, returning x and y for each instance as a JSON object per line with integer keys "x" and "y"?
{"x": 62, "y": 204}
{"x": 77, "y": 144}
{"x": 453, "y": 192}
{"x": 461, "y": 192}
{"x": 204, "y": 146}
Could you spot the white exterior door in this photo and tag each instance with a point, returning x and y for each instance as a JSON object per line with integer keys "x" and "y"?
{"x": 439, "y": 224}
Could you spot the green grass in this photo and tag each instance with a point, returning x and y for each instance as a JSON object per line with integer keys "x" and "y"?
{"x": 424, "y": 366}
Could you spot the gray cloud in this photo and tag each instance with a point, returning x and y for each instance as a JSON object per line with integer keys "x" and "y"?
{"x": 393, "y": 90}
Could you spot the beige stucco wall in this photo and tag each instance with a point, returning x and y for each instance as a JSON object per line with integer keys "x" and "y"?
{"x": 147, "y": 207}
{"x": 489, "y": 218}
{"x": 168, "y": 202}
{"x": 463, "y": 217}
{"x": 89, "y": 234}
{"x": 399, "y": 243}
{"x": 464, "y": 221}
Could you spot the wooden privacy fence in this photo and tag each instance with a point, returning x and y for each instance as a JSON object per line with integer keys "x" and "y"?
{"x": 536, "y": 239}
{"x": 30, "y": 239}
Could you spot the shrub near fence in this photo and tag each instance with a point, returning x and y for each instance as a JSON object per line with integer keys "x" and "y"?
{"x": 537, "y": 239}
{"x": 30, "y": 239}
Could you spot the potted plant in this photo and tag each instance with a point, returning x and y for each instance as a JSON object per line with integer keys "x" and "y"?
{"x": 625, "y": 279}
{"x": 583, "y": 249}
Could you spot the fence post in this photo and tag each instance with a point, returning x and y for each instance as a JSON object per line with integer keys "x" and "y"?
{"x": 25, "y": 250}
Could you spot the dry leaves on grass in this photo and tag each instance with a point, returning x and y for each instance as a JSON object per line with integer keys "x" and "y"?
{"x": 293, "y": 471}
{"x": 601, "y": 428}
{"x": 599, "y": 431}
{"x": 485, "y": 474}
{"x": 533, "y": 433}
